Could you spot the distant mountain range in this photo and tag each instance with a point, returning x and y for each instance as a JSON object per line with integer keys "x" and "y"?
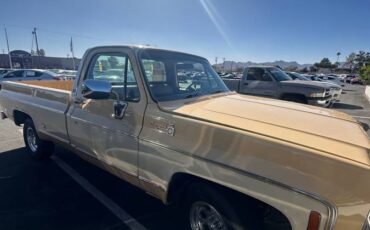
{"x": 283, "y": 64}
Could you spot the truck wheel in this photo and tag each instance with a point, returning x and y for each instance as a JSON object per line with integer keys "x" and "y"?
{"x": 208, "y": 209}
{"x": 37, "y": 148}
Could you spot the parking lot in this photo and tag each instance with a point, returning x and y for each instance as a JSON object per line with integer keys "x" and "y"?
{"x": 68, "y": 193}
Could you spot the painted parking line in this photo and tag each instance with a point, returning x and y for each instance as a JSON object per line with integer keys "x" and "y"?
{"x": 113, "y": 207}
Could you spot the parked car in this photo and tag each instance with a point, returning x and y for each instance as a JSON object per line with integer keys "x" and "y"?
{"x": 349, "y": 77}
{"x": 66, "y": 74}
{"x": 297, "y": 76}
{"x": 312, "y": 77}
{"x": 4, "y": 71}
{"x": 30, "y": 74}
{"x": 233, "y": 161}
{"x": 342, "y": 77}
{"x": 357, "y": 80}
{"x": 273, "y": 82}
{"x": 330, "y": 78}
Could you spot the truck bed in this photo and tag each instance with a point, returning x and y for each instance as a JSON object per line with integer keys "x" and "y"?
{"x": 47, "y": 102}
{"x": 232, "y": 84}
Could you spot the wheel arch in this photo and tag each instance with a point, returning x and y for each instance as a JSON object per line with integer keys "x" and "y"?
{"x": 20, "y": 117}
{"x": 180, "y": 181}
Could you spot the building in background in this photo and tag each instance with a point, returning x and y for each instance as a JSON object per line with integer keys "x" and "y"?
{"x": 24, "y": 60}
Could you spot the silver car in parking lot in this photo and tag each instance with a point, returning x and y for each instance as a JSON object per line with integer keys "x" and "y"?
{"x": 29, "y": 75}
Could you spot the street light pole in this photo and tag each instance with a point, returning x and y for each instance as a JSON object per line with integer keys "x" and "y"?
{"x": 7, "y": 44}
{"x": 37, "y": 45}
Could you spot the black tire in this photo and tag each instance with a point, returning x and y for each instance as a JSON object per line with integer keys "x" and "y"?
{"x": 38, "y": 149}
{"x": 201, "y": 193}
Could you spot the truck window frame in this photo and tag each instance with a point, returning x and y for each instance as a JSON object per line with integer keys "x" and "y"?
{"x": 265, "y": 72}
{"x": 128, "y": 60}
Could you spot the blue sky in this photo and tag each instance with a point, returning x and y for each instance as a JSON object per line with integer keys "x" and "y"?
{"x": 239, "y": 30}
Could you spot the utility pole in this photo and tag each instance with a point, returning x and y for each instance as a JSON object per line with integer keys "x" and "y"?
{"x": 73, "y": 54}
{"x": 37, "y": 45}
{"x": 7, "y": 44}
{"x": 216, "y": 59}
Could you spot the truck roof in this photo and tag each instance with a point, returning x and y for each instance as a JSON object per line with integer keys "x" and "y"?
{"x": 145, "y": 47}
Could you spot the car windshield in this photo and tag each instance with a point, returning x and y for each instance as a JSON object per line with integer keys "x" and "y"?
{"x": 174, "y": 76}
{"x": 278, "y": 74}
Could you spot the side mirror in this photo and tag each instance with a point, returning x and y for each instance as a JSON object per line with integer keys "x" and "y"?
{"x": 96, "y": 89}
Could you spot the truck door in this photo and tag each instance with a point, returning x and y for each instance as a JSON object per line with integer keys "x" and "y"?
{"x": 93, "y": 126}
{"x": 257, "y": 81}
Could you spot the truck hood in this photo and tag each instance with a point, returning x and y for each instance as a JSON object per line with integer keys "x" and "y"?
{"x": 317, "y": 128}
{"x": 312, "y": 84}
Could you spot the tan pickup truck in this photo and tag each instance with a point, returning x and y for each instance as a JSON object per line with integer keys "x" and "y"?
{"x": 165, "y": 122}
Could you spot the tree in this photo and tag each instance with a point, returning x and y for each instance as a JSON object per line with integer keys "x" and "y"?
{"x": 42, "y": 52}
{"x": 324, "y": 63}
{"x": 350, "y": 60}
{"x": 313, "y": 69}
{"x": 362, "y": 59}
{"x": 338, "y": 54}
{"x": 304, "y": 70}
{"x": 113, "y": 62}
{"x": 365, "y": 73}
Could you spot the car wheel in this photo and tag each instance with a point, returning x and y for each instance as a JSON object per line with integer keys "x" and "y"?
{"x": 208, "y": 209}
{"x": 37, "y": 148}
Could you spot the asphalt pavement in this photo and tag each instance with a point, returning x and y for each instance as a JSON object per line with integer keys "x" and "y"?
{"x": 44, "y": 195}
{"x": 354, "y": 103}
{"x": 41, "y": 195}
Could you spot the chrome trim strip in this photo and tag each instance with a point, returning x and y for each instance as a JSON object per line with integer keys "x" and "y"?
{"x": 332, "y": 209}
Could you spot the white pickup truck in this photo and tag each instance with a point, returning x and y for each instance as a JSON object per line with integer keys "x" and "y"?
{"x": 165, "y": 122}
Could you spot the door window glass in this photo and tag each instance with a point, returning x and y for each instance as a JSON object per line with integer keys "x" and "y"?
{"x": 14, "y": 74}
{"x": 257, "y": 74}
{"x": 30, "y": 73}
{"x": 116, "y": 69}
{"x": 154, "y": 71}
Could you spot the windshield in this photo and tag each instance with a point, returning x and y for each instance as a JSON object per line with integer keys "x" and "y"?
{"x": 279, "y": 75}
{"x": 174, "y": 76}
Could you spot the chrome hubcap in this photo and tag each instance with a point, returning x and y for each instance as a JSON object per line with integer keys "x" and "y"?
{"x": 31, "y": 139}
{"x": 204, "y": 216}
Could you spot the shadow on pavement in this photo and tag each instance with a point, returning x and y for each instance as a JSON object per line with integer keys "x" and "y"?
{"x": 346, "y": 106}
{"x": 39, "y": 195}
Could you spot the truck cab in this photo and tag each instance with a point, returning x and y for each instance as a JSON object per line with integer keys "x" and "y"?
{"x": 259, "y": 81}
